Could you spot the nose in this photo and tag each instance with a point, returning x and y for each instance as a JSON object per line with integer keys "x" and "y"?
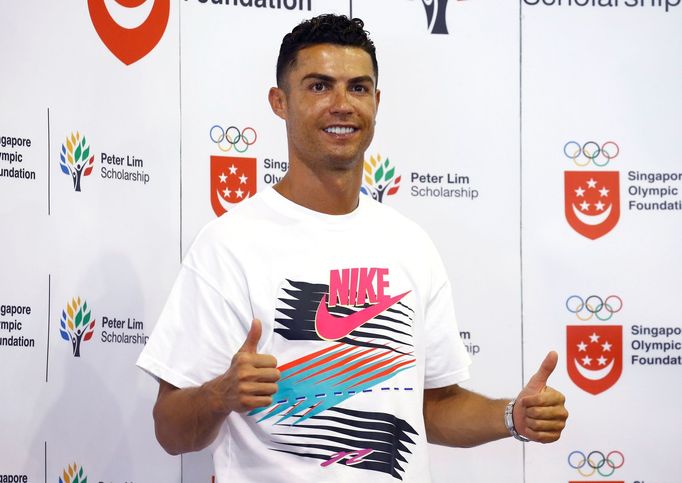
{"x": 341, "y": 101}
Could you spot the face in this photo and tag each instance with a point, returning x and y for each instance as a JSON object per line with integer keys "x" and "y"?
{"x": 329, "y": 102}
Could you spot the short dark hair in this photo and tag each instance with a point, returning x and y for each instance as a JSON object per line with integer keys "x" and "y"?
{"x": 324, "y": 29}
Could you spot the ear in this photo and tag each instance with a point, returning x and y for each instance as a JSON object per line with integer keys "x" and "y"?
{"x": 278, "y": 102}
{"x": 377, "y": 97}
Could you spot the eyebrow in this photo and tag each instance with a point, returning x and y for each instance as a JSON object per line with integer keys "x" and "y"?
{"x": 327, "y": 78}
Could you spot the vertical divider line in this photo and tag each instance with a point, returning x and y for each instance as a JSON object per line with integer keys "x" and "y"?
{"x": 49, "y": 310}
{"x": 523, "y": 371}
{"x": 49, "y": 163}
{"x": 350, "y": 15}
{"x": 180, "y": 148}
{"x": 45, "y": 461}
{"x": 180, "y": 108}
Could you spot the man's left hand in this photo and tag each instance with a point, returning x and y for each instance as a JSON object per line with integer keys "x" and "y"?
{"x": 539, "y": 412}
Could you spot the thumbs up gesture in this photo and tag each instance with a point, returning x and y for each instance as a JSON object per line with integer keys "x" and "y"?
{"x": 252, "y": 378}
{"x": 539, "y": 412}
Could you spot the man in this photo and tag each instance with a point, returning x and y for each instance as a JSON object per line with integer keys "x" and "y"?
{"x": 350, "y": 297}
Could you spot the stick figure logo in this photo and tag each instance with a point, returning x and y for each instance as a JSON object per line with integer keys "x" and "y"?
{"x": 435, "y": 15}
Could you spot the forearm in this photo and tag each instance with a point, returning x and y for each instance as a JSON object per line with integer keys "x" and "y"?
{"x": 457, "y": 417}
{"x": 186, "y": 420}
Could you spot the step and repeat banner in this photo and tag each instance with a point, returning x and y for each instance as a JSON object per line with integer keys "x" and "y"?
{"x": 538, "y": 142}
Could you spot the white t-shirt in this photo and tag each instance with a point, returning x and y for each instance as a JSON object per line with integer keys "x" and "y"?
{"x": 358, "y": 311}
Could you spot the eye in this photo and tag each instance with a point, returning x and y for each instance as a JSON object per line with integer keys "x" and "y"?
{"x": 318, "y": 86}
{"x": 359, "y": 88}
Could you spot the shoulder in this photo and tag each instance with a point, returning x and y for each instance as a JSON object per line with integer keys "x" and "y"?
{"x": 231, "y": 225}
{"x": 222, "y": 238}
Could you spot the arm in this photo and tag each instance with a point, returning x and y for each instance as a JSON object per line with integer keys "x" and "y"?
{"x": 189, "y": 419}
{"x": 457, "y": 417}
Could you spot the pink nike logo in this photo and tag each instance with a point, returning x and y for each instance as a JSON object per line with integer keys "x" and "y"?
{"x": 330, "y": 327}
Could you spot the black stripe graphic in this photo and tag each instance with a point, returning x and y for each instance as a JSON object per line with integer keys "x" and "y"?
{"x": 350, "y": 431}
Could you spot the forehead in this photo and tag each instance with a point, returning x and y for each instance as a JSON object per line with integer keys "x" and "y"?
{"x": 338, "y": 61}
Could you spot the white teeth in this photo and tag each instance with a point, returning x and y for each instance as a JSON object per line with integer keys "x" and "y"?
{"x": 339, "y": 130}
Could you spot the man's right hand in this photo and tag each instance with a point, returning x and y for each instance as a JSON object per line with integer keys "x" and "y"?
{"x": 189, "y": 419}
{"x": 251, "y": 380}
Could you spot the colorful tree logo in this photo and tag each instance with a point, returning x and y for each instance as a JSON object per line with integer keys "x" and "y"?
{"x": 73, "y": 474}
{"x": 75, "y": 159}
{"x": 76, "y": 325}
{"x": 380, "y": 177}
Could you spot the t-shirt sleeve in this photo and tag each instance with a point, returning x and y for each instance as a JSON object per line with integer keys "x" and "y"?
{"x": 447, "y": 361}
{"x": 204, "y": 322}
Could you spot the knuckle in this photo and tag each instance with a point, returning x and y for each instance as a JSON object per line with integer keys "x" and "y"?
{"x": 241, "y": 360}
{"x": 531, "y": 424}
{"x": 245, "y": 374}
{"x": 238, "y": 357}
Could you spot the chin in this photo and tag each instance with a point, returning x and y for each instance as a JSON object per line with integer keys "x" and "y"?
{"x": 343, "y": 163}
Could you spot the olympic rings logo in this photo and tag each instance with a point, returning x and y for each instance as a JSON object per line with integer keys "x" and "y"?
{"x": 594, "y": 306}
{"x": 595, "y": 461}
{"x": 591, "y": 151}
{"x": 233, "y": 137}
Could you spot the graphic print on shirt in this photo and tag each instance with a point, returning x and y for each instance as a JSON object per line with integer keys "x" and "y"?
{"x": 370, "y": 341}
{"x": 365, "y": 440}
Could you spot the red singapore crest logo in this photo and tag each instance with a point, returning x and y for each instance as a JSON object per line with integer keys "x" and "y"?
{"x": 233, "y": 180}
{"x": 592, "y": 204}
{"x": 130, "y": 45}
{"x": 594, "y": 356}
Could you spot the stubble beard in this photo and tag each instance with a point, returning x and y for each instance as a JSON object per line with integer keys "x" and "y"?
{"x": 317, "y": 160}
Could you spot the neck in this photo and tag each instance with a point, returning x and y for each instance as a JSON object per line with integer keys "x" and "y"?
{"x": 334, "y": 192}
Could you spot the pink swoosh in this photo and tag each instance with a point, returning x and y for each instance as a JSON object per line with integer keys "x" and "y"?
{"x": 330, "y": 327}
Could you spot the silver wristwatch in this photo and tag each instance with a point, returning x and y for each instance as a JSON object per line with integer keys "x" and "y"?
{"x": 509, "y": 421}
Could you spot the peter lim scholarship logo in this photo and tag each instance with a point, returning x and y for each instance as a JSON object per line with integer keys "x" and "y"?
{"x": 76, "y": 324}
{"x": 130, "y": 44}
{"x": 435, "y": 15}
{"x": 73, "y": 474}
{"x": 75, "y": 159}
{"x": 233, "y": 178}
{"x": 592, "y": 198}
{"x": 379, "y": 178}
{"x": 594, "y": 353}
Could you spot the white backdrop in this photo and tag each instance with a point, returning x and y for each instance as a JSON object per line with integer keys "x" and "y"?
{"x": 485, "y": 108}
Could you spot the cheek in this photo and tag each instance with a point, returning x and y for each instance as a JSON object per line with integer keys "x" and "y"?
{"x": 369, "y": 111}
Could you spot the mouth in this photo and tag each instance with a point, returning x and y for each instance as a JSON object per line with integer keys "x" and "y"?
{"x": 340, "y": 130}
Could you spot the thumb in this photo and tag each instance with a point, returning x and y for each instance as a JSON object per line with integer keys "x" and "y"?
{"x": 252, "y": 338}
{"x": 539, "y": 380}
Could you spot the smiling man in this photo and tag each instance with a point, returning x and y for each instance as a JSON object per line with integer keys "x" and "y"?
{"x": 310, "y": 335}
